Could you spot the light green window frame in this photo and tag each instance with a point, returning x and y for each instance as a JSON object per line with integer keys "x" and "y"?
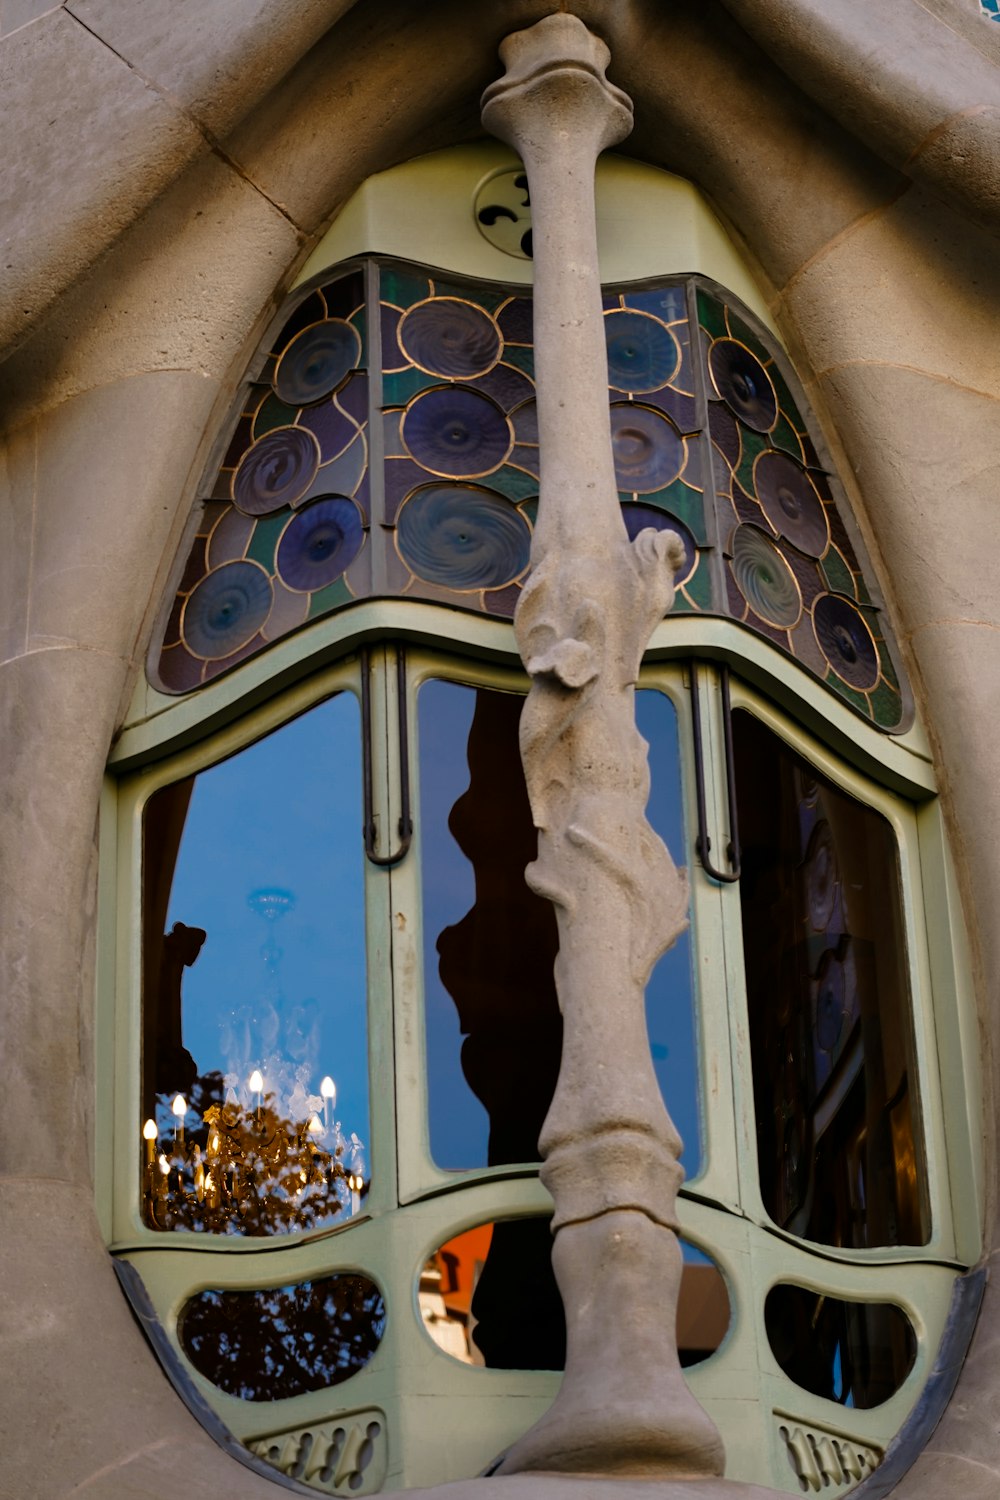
{"x": 414, "y": 1207}
{"x": 649, "y": 224}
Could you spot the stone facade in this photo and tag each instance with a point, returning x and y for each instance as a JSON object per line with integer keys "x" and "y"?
{"x": 172, "y": 167}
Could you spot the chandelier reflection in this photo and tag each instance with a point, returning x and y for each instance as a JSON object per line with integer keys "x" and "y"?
{"x": 254, "y": 1149}
{"x": 247, "y": 1168}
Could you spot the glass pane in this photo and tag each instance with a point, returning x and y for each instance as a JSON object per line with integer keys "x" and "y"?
{"x": 283, "y": 1341}
{"x": 670, "y": 1014}
{"x": 489, "y": 942}
{"x": 840, "y": 1154}
{"x": 493, "y": 1026}
{"x": 488, "y": 1297}
{"x": 857, "y": 1353}
{"x": 255, "y": 1070}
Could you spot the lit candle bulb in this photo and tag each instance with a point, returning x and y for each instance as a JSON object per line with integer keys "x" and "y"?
{"x": 355, "y": 1183}
{"x": 315, "y": 1126}
{"x": 199, "y": 1176}
{"x": 149, "y": 1136}
{"x": 179, "y": 1107}
{"x": 256, "y": 1086}
{"x": 329, "y": 1091}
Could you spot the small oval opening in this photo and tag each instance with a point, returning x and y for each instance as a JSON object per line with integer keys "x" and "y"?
{"x": 488, "y": 1297}
{"x": 855, "y": 1353}
{"x": 281, "y": 1341}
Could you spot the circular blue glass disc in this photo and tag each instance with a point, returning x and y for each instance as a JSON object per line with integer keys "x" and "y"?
{"x": 643, "y": 354}
{"x": 316, "y": 361}
{"x": 276, "y": 470}
{"x": 319, "y": 542}
{"x": 451, "y": 338}
{"x": 845, "y": 640}
{"x": 456, "y": 432}
{"x": 226, "y": 609}
{"x": 743, "y": 384}
{"x": 640, "y": 517}
{"x": 462, "y": 538}
{"x": 764, "y": 578}
{"x": 648, "y": 449}
{"x": 789, "y": 499}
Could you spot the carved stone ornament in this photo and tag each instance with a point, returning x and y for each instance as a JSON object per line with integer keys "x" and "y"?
{"x": 586, "y": 614}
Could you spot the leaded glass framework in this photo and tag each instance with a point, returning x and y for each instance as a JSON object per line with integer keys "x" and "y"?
{"x": 386, "y": 444}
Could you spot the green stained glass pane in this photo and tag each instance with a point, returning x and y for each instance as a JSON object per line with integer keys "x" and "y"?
{"x": 861, "y": 588}
{"x": 397, "y": 390}
{"x": 522, "y": 357}
{"x": 712, "y": 316}
{"x": 513, "y": 483}
{"x": 887, "y": 706}
{"x": 332, "y": 597}
{"x": 739, "y": 330}
{"x": 359, "y": 323}
{"x": 699, "y": 586}
{"x": 885, "y": 664}
{"x": 485, "y": 296}
{"x": 783, "y": 435}
{"x": 530, "y": 509}
{"x": 838, "y": 575}
{"x": 752, "y": 444}
{"x": 785, "y": 398}
{"x": 680, "y": 500}
{"x": 403, "y": 287}
{"x": 273, "y": 413}
{"x": 857, "y": 700}
{"x": 265, "y": 539}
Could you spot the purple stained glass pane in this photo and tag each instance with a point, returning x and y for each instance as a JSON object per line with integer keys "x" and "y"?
{"x": 330, "y": 428}
{"x": 456, "y": 432}
{"x": 643, "y": 354}
{"x": 226, "y": 610}
{"x": 316, "y": 362}
{"x": 790, "y": 502}
{"x": 649, "y": 452}
{"x": 462, "y": 537}
{"x": 319, "y": 543}
{"x": 449, "y": 337}
{"x": 506, "y": 385}
{"x": 743, "y": 384}
{"x": 277, "y": 470}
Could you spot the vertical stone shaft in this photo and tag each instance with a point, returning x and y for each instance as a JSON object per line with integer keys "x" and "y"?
{"x": 585, "y": 616}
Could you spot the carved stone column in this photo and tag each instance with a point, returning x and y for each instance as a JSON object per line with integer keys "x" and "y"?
{"x": 610, "y": 1150}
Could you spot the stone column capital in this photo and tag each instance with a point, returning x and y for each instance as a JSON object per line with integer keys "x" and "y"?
{"x": 555, "y": 90}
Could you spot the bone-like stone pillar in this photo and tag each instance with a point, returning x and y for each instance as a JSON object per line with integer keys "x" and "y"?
{"x": 610, "y": 1150}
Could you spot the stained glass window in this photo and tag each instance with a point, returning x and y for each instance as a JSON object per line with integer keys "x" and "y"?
{"x": 387, "y": 444}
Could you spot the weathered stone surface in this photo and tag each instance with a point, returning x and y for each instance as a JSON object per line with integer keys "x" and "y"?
{"x": 56, "y": 708}
{"x": 926, "y": 452}
{"x": 897, "y": 77}
{"x": 16, "y": 13}
{"x": 183, "y": 290}
{"x": 108, "y": 1423}
{"x": 87, "y": 157}
{"x": 211, "y": 57}
{"x": 103, "y": 510}
{"x": 17, "y": 519}
{"x": 910, "y": 286}
{"x": 714, "y": 108}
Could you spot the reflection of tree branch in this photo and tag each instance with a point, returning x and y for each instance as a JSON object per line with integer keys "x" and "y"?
{"x": 279, "y": 1342}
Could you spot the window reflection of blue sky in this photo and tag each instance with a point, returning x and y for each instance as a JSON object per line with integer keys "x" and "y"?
{"x": 458, "y": 1122}
{"x": 283, "y": 814}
